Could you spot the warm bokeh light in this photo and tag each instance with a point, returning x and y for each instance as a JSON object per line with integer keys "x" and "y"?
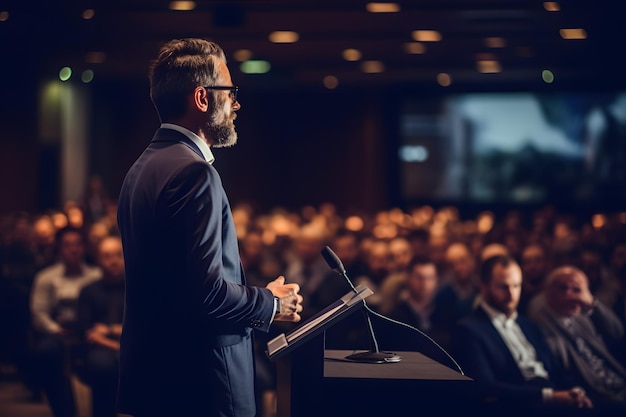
{"x": 551, "y": 6}
{"x": 95, "y": 57}
{"x": 242, "y": 55}
{"x": 65, "y": 73}
{"x": 426, "y": 35}
{"x": 88, "y": 14}
{"x": 488, "y": 66}
{"x": 372, "y": 67}
{"x": 414, "y": 48}
{"x": 495, "y": 42}
{"x": 182, "y": 5}
{"x": 598, "y": 221}
{"x": 351, "y": 54}
{"x": 330, "y": 81}
{"x": 576, "y": 33}
{"x": 382, "y": 7}
{"x": 354, "y": 223}
{"x": 284, "y": 36}
{"x": 444, "y": 79}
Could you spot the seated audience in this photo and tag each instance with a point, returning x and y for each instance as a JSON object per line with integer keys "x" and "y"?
{"x": 53, "y": 306}
{"x": 579, "y": 329}
{"x": 100, "y": 309}
{"x": 505, "y": 353}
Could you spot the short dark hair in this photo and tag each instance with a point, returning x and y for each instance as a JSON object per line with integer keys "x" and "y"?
{"x": 181, "y": 66}
{"x": 60, "y": 234}
{"x": 420, "y": 260}
{"x": 486, "y": 269}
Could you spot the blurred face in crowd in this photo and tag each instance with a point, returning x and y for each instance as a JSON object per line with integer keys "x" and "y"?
{"x": 111, "y": 258}
{"x": 347, "y": 248}
{"x": 565, "y": 290}
{"x": 503, "y": 290}
{"x": 461, "y": 262}
{"x": 618, "y": 257}
{"x": 422, "y": 282}
{"x": 72, "y": 249}
{"x": 533, "y": 263}
{"x": 401, "y": 253}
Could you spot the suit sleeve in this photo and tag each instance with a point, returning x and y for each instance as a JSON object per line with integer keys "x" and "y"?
{"x": 198, "y": 209}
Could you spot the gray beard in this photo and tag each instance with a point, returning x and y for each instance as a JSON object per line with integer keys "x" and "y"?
{"x": 225, "y": 136}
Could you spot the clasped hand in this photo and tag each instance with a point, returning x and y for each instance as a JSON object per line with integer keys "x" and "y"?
{"x": 290, "y": 300}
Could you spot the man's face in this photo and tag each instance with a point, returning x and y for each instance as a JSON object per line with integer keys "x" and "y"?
{"x": 72, "y": 249}
{"x": 221, "y": 123}
{"x": 533, "y": 263}
{"x": 564, "y": 293}
{"x": 504, "y": 290}
{"x": 422, "y": 282}
{"x": 111, "y": 258}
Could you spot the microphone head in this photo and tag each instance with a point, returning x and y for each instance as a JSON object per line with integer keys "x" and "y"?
{"x": 333, "y": 260}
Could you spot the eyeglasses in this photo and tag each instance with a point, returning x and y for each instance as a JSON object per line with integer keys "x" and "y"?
{"x": 233, "y": 90}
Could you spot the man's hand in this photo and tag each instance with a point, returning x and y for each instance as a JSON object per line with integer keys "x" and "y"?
{"x": 290, "y": 300}
{"x": 575, "y": 397}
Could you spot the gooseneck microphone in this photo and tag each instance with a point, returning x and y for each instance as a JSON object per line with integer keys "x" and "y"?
{"x": 374, "y": 355}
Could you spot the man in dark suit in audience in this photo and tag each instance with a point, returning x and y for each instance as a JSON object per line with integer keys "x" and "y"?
{"x": 186, "y": 347}
{"x": 513, "y": 368}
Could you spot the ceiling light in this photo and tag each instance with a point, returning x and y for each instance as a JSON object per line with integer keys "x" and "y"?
{"x": 87, "y": 76}
{"x": 256, "y": 66}
{"x": 415, "y": 48}
{"x": 88, "y": 14}
{"x": 330, "y": 81}
{"x": 372, "y": 67}
{"x": 444, "y": 79}
{"x": 426, "y": 35}
{"x": 351, "y": 54}
{"x": 284, "y": 36}
{"x": 182, "y": 5}
{"x": 242, "y": 55}
{"x": 382, "y": 7}
{"x": 495, "y": 42}
{"x": 551, "y": 6}
{"x": 488, "y": 66}
{"x": 576, "y": 33}
{"x": 95, "y": 57}
{"x": 65, "y": 73}
{"x": 547, "y": 76}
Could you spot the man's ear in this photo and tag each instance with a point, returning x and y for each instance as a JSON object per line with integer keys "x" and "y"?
{"x": 200, "y": 99}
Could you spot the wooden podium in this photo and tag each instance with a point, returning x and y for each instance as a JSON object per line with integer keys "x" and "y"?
{"x": 313, "y": 381}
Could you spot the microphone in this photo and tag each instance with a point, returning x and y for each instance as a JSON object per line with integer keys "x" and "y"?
{"x": 374, "y": 355}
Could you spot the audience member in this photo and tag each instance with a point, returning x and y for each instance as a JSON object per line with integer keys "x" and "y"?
{"x": 53, "y": 306}
{"x": 458, "y": 294}
{"x": 305, "y": 265}
{"x": 579, "y": 330}
{"x": 418, "y": 309}
{"x": 513, "y": 368}
{"x": 535, "y": 268}
{"x": 100, "y": 310}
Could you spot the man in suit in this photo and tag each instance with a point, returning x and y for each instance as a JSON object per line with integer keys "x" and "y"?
{"x": 506, "y": 354}
{"x": 186, "y": 347}
{"x": 579, "y": 329}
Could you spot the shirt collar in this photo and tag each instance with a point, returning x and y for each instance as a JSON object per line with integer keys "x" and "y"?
{"x": 204, "y": 148}
{"x": 498, "y": 316}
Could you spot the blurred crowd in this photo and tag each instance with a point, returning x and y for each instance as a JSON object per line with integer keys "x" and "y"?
{"x": 423, "y": 265}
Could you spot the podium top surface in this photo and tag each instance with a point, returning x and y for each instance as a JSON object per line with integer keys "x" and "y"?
{"x": 413, "y": 366}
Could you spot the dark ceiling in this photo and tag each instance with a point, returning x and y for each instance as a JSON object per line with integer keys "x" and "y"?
{"x": 128, "y": 33}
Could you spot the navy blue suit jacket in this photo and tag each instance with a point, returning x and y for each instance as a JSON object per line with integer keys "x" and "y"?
{"x": 186, "y": 346}
{"x": 483, "y": 355}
